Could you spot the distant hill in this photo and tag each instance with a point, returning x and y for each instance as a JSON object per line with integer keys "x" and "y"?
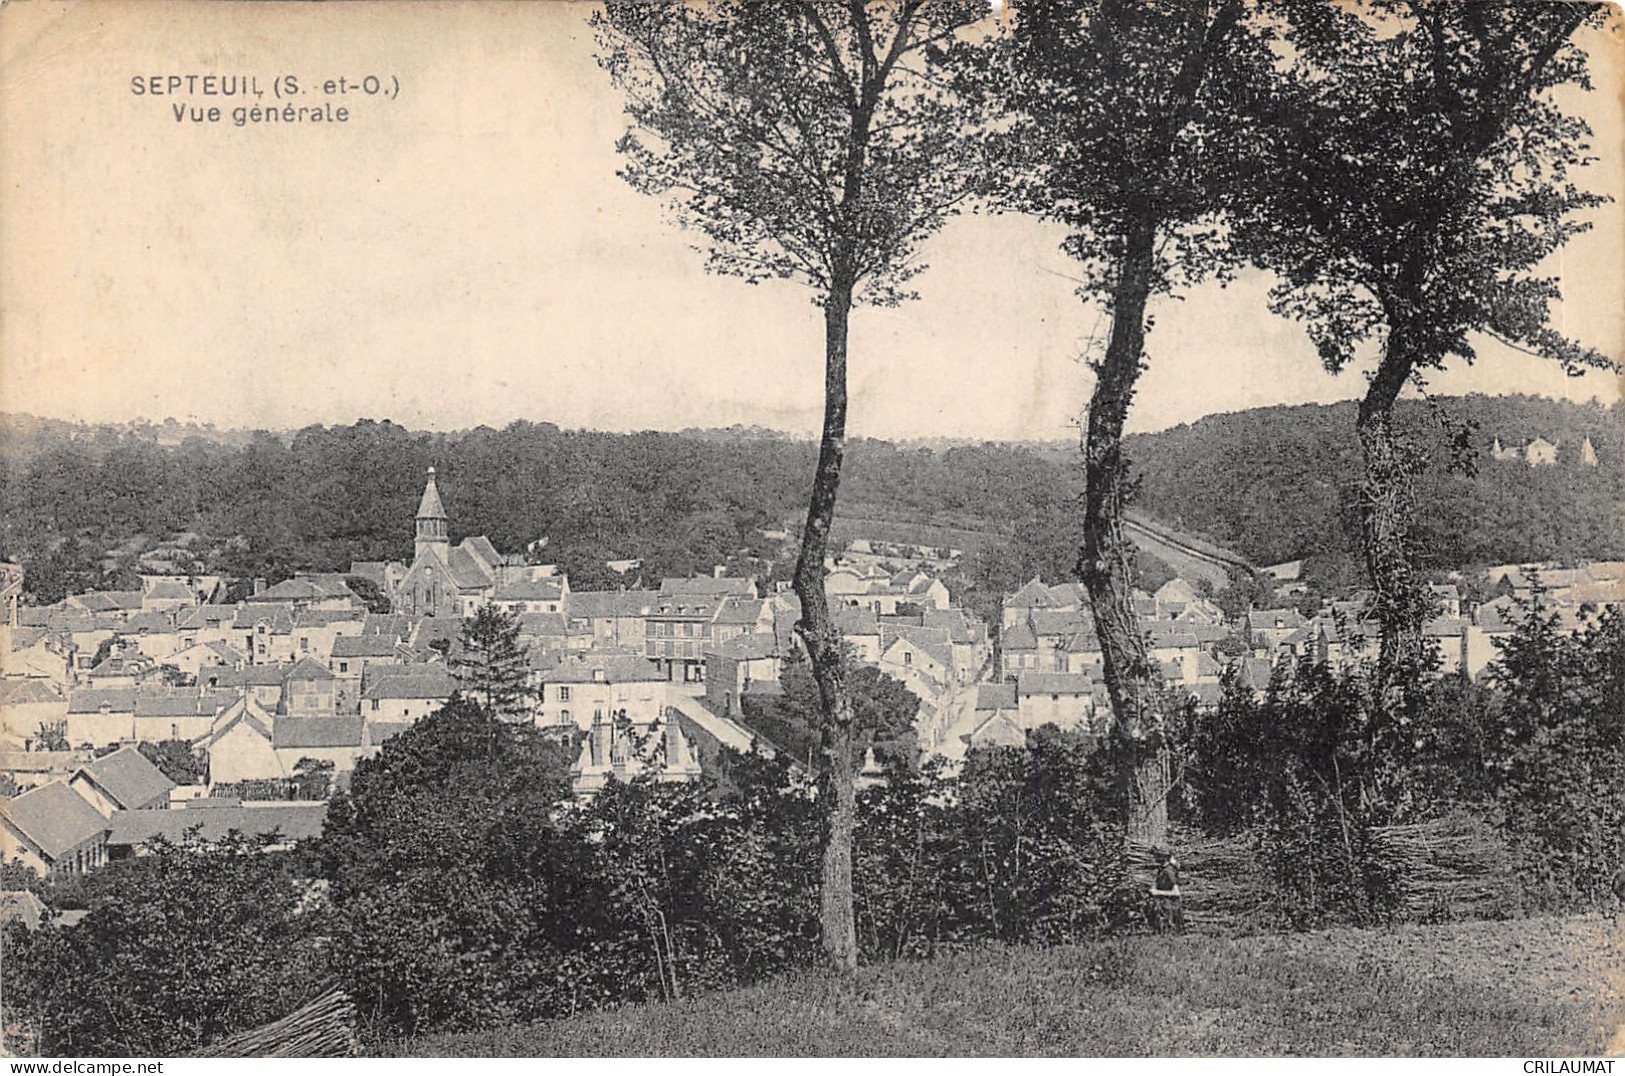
{"x": 22, "y": 435}
{"x": 1282, "y": 483}
{"x": 78, "y": 502}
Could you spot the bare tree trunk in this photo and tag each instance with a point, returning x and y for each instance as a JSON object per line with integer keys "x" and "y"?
{"x": 836, "y": 789}
{"x": 1386, "y": 499}
{"x": 1104, "y": 560}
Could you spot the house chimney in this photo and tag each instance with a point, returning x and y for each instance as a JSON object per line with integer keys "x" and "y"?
{"x": 259, "y": 584}
{"x": 716, "y": 572}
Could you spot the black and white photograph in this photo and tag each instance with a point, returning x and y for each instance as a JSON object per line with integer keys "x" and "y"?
{"x": 811, "y": 529}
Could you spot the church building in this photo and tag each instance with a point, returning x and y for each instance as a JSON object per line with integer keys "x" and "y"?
{"x": 446, "y": 580}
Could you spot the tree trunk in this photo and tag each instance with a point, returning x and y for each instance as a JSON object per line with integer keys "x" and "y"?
{"x": 1385, "y": 509}
{"x": 836, "y": 789}
{"x": 1104, "y": 560}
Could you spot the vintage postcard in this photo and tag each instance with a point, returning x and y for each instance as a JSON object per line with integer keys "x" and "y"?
{"x": 821, "y": 528}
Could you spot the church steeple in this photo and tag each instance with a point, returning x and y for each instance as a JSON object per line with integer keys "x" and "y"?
{"x": 431, "y": 531}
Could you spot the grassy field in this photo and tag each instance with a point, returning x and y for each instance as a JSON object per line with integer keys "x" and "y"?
{"x": 1532, "y": 988}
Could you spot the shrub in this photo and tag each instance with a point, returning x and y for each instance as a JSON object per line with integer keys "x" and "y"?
{"x": 196, "y": 944}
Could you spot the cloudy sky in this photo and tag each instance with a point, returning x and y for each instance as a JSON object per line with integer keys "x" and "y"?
{"x": 464, "y": 254}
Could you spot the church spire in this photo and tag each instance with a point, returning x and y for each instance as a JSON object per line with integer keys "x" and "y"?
{"x": 431, "y": 529}
{"x": 430, "y": 507}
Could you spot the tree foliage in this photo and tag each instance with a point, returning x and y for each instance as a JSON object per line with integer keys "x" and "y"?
{"x": 1123, "y": 129}
{"x": 883, "y": 713}
{"x": 194, "y": 945}
{"x": 808, "y": 141}
{"x": 176, "y": 760}
{"x": 1273, "y": 483}
{"x": 1283, "y": 483}
{"x": 1557, "y": 749}
{"x": 440, "y": 861}
{"x": 1421, "y": 174}
{"x": 491, "y": 665}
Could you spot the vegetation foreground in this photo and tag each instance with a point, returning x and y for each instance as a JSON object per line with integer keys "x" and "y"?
{"x": 1533, "y": 987}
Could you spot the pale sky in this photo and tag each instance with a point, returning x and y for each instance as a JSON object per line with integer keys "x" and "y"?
{"x": 465, "y": 255}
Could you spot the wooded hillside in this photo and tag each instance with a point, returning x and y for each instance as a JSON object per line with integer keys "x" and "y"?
{"x": 1274, "y": 484}
{"x": 1280, "y": 483}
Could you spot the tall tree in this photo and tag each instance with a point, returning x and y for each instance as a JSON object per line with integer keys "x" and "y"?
{"x": 491, "y": 665}
{"x": 446, "y": 877}
{"x": 1121, "y": 131}
{"x": 884, "y": 712}
{"x": 1421, "y": 176}
{"x": 809, "y": 141}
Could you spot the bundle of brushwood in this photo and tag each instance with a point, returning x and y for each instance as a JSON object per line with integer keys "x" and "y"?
{"x": 1455, "y": 867}
{"x": 1227, "y": 888}
{"x": 1224, "y": 886}
{"x": 323, "y": 1028}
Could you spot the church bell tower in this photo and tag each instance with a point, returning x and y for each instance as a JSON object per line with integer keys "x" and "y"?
{"x": 432, "y": 536}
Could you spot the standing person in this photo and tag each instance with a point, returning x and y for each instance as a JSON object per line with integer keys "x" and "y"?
{"x": 1166, "y": 910}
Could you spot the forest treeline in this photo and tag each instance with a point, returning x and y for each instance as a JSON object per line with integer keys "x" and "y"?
{"x": 1281, "y": 483}
{"x": 1266, "y": 482}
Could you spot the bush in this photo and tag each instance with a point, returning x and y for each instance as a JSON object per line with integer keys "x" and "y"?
{"x": 1558, "y": 750}
{"x": 1318, "y": 767}
{"x": 444, "y": 862}
{"x": 192, "y": 945}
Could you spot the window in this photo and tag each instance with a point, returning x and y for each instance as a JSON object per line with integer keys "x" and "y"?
{"x": 564, "y": 717}
{"x": 908, "y": 659}
{"x": 564, "y": 694}
{"x": 304, "y": 642}
{"x": 375, "y": 704}
{"x": 344, "y": 666}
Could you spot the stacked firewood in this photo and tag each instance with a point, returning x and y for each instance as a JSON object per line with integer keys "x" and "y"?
{"x": 323, "y": 1028}
{"x": 1224, "y": 890}
{"x": 1456, "y": 867}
